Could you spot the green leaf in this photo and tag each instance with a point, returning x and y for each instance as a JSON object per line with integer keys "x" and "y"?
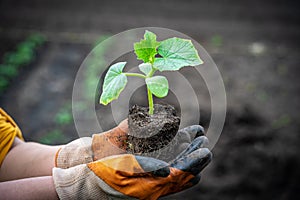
{"x": 158, "y": 85}
{"x": 114, "y": 82}
{"x": 176, "y": 53}
{"x": 145, "y": 68}
{"x": 145, "y": 50}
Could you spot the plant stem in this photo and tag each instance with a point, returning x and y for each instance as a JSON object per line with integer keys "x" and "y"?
{"x": 150, "y": 97}
{"x": 150, "y": 100}
{"x": 136, "y": 75}
{"x": 152, "y": 72}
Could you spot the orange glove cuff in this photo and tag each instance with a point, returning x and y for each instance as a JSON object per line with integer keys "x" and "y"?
{"x": 56, "y": 156}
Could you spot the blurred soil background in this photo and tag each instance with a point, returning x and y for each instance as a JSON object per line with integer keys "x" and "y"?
{"x": 255, "y": 45}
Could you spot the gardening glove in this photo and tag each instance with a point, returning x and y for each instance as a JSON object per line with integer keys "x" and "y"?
{"x": 88, "y": 149}
{"x": 128, "y": 176}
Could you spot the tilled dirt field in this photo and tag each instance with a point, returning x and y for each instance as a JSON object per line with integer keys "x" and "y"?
{"x": 255, "y": 45}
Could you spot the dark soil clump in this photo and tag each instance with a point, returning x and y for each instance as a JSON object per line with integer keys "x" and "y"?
{"x": 148, "y": 133}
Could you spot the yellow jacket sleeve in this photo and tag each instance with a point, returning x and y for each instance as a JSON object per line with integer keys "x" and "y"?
{"x": 8, "y": 131}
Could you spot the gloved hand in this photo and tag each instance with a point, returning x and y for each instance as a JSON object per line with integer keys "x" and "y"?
{"x": 89, "y": 149}
{"x": 133, "y": 177}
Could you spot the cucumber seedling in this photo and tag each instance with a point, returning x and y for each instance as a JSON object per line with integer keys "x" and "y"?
{"x": 167, "y": 55}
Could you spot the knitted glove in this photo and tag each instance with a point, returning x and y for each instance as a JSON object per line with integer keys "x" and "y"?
{"x": 133, "y": 177}
{"x": 88, "y": 149}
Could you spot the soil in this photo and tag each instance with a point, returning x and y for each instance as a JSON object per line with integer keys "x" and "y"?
{"x": 148, "y": 133}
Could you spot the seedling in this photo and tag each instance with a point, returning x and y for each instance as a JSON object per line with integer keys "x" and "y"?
{"x": 168, "y": 55}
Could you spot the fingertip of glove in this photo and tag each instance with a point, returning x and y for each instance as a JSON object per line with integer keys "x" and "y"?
{"x": 199, "y": 131}
{"x": 206, "y": 156}
{"x": 203, "y": 141}
{"x": 206, "y": 152}
{"x": 194, "y": 162}
{"x": 197, "y": 143}
{"x": 194, "y": 131}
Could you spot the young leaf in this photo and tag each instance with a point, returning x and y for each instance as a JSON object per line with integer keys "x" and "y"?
{"x": 145, "y": 68}
{"x": 176, "y": 53}
{"x": 145, "y": 50}
{"x": 158, "y": 85}
{"x": 114, "y": 82}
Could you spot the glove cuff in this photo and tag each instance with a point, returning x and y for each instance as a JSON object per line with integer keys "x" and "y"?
{"x": 80, "y": 182}
{"x": 77, "y": 183}
{"x": 75, "y": 153}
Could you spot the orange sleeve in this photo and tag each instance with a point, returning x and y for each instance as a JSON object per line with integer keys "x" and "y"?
{"x": 8, "y": 131}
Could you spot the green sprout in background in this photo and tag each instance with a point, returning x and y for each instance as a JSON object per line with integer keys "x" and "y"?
{"x": 216, "y": 41}
{"x": 61, "y": 119}
{"x": 53, "y": 136}
{"x": 168, "y": 55}
{"x": 64, "y": 115}
{"x": 13, "y": 61}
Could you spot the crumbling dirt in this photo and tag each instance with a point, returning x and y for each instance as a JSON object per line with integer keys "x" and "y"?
{"x": 148, "y": 133}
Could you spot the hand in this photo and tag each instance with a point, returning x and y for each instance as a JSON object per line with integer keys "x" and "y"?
{"x": 127, "y": 176}
{"x": 88, "y": 149}
{"x": 85, "y": 150}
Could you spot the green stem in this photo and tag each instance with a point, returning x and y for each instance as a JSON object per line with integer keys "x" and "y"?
{"x": 136, "y": 75}
{"x": 150, "y": 96}
{"x": 151, "y": 72}
{"x": 150, "y": 100}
